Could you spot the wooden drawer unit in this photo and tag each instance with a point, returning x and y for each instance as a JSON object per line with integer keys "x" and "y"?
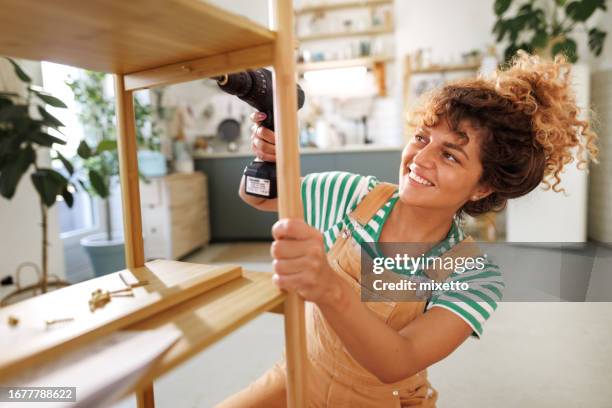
{"x": 175, "y": 216}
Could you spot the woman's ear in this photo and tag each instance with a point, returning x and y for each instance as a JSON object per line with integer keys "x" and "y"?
{"x": 480, "y": 192}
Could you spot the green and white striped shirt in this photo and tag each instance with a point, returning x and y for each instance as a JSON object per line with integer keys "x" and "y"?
{"x": 330, "y": 197}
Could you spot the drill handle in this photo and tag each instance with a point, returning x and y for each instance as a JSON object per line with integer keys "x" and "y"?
{"x": 268, "y": 122}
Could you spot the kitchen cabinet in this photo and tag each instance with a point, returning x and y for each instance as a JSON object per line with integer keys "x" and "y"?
{"x": 232, "y": 220}
{"x": 175, "y": 219}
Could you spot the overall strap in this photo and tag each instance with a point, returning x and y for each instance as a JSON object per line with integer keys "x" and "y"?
{"x": 467, "y": 248}
{"x": 372, "y": 202}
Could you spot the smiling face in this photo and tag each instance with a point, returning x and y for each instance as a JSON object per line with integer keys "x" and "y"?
{"x": 441, "y": 169}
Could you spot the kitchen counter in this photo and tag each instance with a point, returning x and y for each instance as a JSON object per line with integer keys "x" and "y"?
{"x": 232, "y": 220}
{"x": 357, "y": 148}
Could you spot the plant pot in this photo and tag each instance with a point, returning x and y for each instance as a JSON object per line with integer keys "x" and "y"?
{"x": 106, "y": 256}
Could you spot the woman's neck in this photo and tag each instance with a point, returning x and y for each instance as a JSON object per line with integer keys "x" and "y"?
{"x": 407, "y": 223}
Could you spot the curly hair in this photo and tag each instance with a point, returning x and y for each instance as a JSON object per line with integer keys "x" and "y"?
{"x": 528, "y": 123}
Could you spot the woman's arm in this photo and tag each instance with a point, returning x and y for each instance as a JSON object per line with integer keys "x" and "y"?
{"x": 392, "y": 356}
{"x": 300, "y": 264}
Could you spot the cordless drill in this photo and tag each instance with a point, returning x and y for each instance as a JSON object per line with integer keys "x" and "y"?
{"x": 255, "y": 88}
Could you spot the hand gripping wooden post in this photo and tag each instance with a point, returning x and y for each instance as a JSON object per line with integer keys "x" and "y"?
{"x": 289, "y": 197}
{"x": 130, "y": 196}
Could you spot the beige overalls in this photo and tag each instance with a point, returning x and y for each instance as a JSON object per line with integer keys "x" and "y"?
{"x": 335, "y": 379}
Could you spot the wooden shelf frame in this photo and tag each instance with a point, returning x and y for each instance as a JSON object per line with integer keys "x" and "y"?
{"x": 342, "y": 6}
{"x": 148, "y": 44}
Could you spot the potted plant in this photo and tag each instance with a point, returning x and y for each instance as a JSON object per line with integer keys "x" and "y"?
{"x": 22, "y": 136}
{"x": 547, "y": 27}
{"x": 99, "y": 163}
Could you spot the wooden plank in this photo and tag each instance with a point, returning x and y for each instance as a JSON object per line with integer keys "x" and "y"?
{"x": 123, "y": 36}
{"x": 289, "y": 197}
{"x": 145, "y": 398}
{"x": 207, "y": 318}
{"x": 170, "y": 283}
{"x": 206, "y": 67}
{"x": 128, "y": 174}
{"x": 342, "y": 6}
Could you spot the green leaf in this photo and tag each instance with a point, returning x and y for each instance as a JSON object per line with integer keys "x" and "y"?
{"x": 540, "y": 39}
{"x": 106, "y": 145}
{"x": 19, "y": 72}
{"x": 45, "y": 139}
{"x": 49, "y": 119}
{"x": 501, "y": 6}
{"x": 97, "y": 182}
{"x": 567, "y": 48}
{"x": 560, "y": 2}
{"x": 67, "y": 165}
{"x": 13, "y": 169}
{"x": 68, "y": 197}
{"x": 84, "y": 151}
{"x": 47, "y": 97}
{"x": 500, "y": 28}
{"x": 49, "y": 184}
{"x": 582, "y": 10}
{"x": 596, "y": 40}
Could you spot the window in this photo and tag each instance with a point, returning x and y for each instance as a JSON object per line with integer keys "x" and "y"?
{"x": 83, "y": 215}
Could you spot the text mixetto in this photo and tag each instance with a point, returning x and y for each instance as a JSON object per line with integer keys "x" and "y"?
{"x": 426, "y": 286}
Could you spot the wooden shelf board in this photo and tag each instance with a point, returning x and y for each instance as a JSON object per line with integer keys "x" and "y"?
{"x": 313, "y": 66}
{"x": 327, "y": 36}
{"x": 341, "y": 6}
{"x": 123, "y": 36}
{"x": 170, "y": 282}
{"x": 207, "y": 318}
{"x": 259, "y": 56}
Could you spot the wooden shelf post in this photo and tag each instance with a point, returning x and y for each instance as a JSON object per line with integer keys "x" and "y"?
{"x": 289, "y": 198}
{"x": 130, "y": 196}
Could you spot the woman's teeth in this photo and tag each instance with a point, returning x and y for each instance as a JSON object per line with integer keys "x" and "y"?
{"x": 418, "y": 179}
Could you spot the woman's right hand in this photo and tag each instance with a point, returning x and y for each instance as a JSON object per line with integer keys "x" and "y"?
{"x": 263, "y": 140}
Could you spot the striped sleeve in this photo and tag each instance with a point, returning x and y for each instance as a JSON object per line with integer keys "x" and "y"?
{"x": 328, "y": 196}
{"x": 476, "y": 304}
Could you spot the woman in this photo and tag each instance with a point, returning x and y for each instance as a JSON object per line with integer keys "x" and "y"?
{"x": 477, "y": 143}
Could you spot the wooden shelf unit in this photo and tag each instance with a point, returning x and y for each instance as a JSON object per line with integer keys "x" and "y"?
{"x": 149, "y": 44}
{"x": 342, "y": 6}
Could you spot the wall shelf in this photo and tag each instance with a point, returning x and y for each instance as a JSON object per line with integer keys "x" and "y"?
{"x": 344, "y": 63}
{"x": 344, "y": 34}
{"x": 341, "y": 6}
{"x": 436, "y": 69}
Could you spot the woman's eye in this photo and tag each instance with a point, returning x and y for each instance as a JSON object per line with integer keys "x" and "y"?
{"x": 450, "y": 157}
{"x": 419, "y": 138}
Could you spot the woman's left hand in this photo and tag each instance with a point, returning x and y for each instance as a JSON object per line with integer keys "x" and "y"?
{"x": 300, "y": 262}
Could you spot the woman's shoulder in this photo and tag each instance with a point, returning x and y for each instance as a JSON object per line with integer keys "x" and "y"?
{"x": 347, "y": 184}
{"x": 333, "y": 194}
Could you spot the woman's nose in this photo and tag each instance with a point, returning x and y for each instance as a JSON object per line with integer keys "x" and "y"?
{"x": 425, "y": 157}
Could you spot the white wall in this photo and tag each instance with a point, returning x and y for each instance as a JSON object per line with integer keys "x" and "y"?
{"x": 20, "y": 231}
